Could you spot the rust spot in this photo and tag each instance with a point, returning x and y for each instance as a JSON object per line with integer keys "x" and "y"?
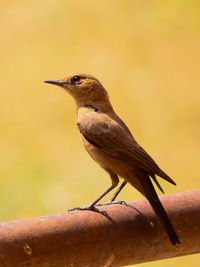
{"x": 151, "y": 224}
{"x": 109, "y": 261}
{"x": 27, "y": 249}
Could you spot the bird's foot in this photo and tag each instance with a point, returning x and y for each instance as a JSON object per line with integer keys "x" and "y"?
{"x": 92, "y": 208}
{"x": 119, "y": 202}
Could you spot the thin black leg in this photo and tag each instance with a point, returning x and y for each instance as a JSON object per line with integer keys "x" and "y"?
{"x": 118, "y": 191}
{"x": 91, "y": 206}
{"x": 112, "y": 200}
{"x": 101, "y": 196}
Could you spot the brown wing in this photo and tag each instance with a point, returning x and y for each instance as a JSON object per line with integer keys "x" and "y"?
{"x": 100, "y": 130}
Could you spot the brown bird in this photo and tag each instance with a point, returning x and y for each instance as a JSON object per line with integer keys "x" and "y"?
{"x": 110, "y": 143}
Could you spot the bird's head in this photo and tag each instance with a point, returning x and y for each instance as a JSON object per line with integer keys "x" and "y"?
{"x": 84, "y": 88}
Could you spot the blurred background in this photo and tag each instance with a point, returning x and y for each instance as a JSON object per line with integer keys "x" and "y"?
{"x": 145, "y": 53}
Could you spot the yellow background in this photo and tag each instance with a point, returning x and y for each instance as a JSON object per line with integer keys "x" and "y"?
{"x": 147, "y": 55}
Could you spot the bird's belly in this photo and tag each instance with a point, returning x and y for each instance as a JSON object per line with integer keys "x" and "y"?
{"x": 118, "y": 166}
{"x": 106, "y": 161}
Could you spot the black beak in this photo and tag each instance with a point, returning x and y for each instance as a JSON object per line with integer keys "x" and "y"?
{"x": 55, "y": 82}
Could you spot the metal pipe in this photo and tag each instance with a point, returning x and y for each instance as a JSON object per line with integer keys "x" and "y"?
{"x": 128, "y": 235}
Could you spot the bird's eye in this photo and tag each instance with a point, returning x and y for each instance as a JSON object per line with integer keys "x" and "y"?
{"x": 76, "y": 79}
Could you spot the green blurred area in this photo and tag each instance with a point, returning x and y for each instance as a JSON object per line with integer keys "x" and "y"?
{"x": 145, "y": 53}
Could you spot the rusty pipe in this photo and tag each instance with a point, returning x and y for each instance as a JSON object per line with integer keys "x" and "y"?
{"x": 128, "y": 235}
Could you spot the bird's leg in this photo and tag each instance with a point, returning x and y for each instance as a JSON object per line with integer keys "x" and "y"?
{"x": 112, "y": 200}
{"x": 91, "y": 206}
{"x": 118, "y": 191}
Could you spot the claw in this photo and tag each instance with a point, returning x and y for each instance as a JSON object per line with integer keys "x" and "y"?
{"x": 80, "y": 208}
{"x": 92, "y": 208}
{"x": 120, "y": 202}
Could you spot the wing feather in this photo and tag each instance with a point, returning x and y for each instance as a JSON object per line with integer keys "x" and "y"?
{"x": 104, "y": 132}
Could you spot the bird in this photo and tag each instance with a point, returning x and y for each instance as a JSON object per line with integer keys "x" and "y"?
{"x": 110, "y": 143}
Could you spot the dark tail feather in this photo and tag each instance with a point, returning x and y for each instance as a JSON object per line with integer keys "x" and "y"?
{"x": 156, "y": 182}
{"x": 162, "y": 215}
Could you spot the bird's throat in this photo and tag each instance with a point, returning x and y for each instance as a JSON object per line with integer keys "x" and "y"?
{"x": 82, "y": 111}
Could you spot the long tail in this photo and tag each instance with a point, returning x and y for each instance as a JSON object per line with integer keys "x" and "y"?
{"x": 161, "y": 213}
